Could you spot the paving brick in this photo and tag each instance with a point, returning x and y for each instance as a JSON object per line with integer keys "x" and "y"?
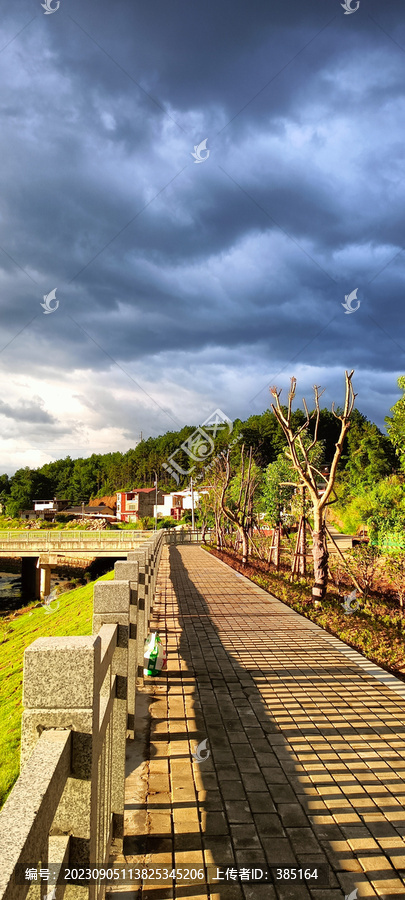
{"x": 326, "y": 894}
{"x": 307, "y": 750}
{"x": 233, "y": 790}
{"x": 238, "y": 811}
{"x": 162, "y": 800}
{"x": 278, "y": 851}
{"x": 230, "y": 774}
{"x": 287, "y": 890}
{"x": 210, "y": 800}
{"x": 292, "y": 814}
{"x": 244, "y": 750}
{"x": 261, "y": 803}
{"x": 253, "y": 782}
{"x": 244, "y": 836}
{"x": 251, "y": 858}
{"x": 274, "y": 775}
{"x": 159, "y": 823}
{"x": 258, "y": 891}
{"x": 213, "y": 823}
{"x": 303, "y": 840}
{"x": 187, "y": 841}
{"x": 248, "y": 765}
{"x": 218, "y": 850}
{"x": 228, "y": 892}
{"x": 282, "y": 793}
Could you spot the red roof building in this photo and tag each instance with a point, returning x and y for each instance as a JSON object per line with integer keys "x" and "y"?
{"x": 138, "y": 503}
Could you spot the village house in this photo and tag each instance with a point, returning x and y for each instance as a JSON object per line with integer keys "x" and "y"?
{"x": 137, "y": 504}
{"x": 44, "y": 509}
{"x": 49, "y": 509}
{"x": 90, "y": 511}
{"x": 177, "y": 502}
{"x": 134, "y": 505}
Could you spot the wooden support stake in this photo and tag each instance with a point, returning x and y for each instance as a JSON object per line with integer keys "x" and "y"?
{"x": 355, "y": 582}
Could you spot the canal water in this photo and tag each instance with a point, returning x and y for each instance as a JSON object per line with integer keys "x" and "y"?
{"x": 10, "y": 580}
{"x": 10, "y": 590}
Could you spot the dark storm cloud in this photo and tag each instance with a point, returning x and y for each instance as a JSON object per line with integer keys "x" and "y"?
{"x": 249, "y": 254}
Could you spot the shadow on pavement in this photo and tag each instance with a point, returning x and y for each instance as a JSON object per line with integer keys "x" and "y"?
{"x": 300, "y": 773}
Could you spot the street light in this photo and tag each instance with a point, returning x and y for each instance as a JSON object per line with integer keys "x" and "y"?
{"x": 192, "y": 504}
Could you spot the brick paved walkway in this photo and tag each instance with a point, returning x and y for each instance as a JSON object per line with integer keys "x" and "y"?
{"x": 307, "y": 761}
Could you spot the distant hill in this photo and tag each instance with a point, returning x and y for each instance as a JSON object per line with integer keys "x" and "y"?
{"x": 97, "y": 477}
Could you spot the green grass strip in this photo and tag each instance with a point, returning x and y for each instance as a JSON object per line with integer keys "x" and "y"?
{"x": 74, "y": 617}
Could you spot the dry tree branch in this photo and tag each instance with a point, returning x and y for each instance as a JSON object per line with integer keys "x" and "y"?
{"x": 242, "y": 474}
{"x": 345, "y": 425}
{"x": 291, "y": 395}
{"x": 318, "y": 414}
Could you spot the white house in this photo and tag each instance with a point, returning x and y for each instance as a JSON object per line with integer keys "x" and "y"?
{"x": 175, "y": 503}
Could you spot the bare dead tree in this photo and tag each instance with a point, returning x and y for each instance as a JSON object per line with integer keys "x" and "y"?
{"x": 212, "y": 501}
{"x": 241, "y": 514}
{"x": 299, "y": 455}
{"x": 204, "y": 509}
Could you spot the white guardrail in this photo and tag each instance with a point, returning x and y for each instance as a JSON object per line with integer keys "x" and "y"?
{"x": 54, "y": 541}
{"x": 71, "y": 540}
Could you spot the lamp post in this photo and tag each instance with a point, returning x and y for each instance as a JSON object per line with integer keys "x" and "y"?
{"x": 156, "y": 500}
{"x": 192, "y": 504}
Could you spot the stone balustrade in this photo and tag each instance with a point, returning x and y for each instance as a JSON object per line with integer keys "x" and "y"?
{"x": 79, "y": 707}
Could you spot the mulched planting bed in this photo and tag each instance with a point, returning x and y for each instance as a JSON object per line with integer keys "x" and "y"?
{"x": 376, "y": 630}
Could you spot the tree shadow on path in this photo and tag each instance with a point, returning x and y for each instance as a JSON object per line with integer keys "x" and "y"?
{"x": 301, "y": 770}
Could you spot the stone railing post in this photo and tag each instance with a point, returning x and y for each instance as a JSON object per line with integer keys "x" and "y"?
{"x": 61, "y": 691}
{"x": 112, "y": 605}
{"x": 129, "y": 571}
{"x": 141, "y": 558}
{"x": 80, "y": 684}
{"x": 147, "y": 556}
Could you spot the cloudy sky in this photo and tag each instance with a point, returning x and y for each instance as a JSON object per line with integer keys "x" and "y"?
{"x": 184, "y": 286}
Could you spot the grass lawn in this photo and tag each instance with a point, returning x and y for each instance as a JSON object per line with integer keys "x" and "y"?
{"x": 18, "y": 630}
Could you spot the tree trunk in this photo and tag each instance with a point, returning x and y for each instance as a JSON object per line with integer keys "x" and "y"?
{"x": 218, "y": 532}
{"x": 245, "y": 545}
{"x": 321, "y": 556}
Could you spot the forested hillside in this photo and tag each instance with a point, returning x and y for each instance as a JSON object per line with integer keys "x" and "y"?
{"x": 368, "y": 456}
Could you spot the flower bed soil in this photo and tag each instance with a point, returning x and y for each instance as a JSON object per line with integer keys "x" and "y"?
{"x": 372, "y": 630}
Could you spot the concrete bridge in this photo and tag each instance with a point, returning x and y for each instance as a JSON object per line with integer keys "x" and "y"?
{"x": 40, "y": 550}
{"x": 80, "y": 544}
